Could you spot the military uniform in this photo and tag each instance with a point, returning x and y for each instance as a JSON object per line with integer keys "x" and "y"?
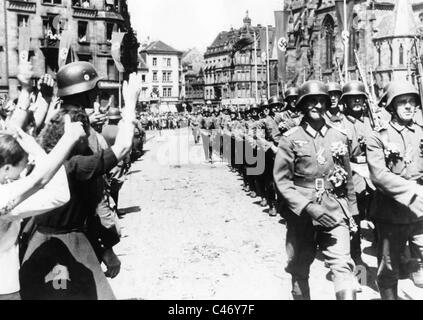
{"x": 396, "y": 209}
{"x": 297, "y": 171}
{"x": 305, "y": 165}
{"x": 395, "y": 158}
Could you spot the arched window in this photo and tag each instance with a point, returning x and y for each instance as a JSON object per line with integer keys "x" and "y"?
{"x": 328, "y": 39}
{"x": 401, "y": 54}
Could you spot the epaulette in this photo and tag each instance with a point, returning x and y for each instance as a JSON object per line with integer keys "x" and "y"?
{"x": 344, "y": 132}
{"x": 291, "y": 132}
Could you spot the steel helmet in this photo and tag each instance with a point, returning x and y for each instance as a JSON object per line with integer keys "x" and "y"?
{"x": 292, "y": 93}
{"x": 76, "y": 77}
{"x": 399, "y": 88}
{"x": 334, "y": 87}
{"x": 312, "y": 88}
{"x": 114, "y": 114}
{"x": 275, "y": 101}
{"x": 353, "y": 88}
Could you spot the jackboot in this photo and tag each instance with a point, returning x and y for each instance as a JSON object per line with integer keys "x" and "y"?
{"x": 300, "y": 290}
{"x": 346, "y": 295}
{"x": 389, "y": 293}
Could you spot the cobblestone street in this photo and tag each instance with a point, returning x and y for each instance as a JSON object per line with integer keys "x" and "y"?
{"x": 190, "y": 232}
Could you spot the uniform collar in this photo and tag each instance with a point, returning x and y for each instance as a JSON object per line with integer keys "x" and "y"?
{"x": 337, "y": 117}
{"x": 354, "y": 120}
{"x": 401, "y": 128}
{"x": 323, "y": 131}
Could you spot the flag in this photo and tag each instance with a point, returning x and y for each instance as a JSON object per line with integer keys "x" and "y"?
{"x": 263, "y": 39}
{"x": 65, "y": 45}
{"x": 281, "y": 41}
{"x": 117, "y": 38}
{"x": 24, "y": 43}
{"x": 339, "y": 4}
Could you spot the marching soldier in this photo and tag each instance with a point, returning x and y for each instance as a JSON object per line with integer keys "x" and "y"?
{"x": 333, "y": 115}
{"x": 358, "y": 127}
{"x": 272, "y": 137}
{"x": 207, "y": 127}
{"x": 312, "y": 172}
{"x": 395, "y": 159}
{"x": 290, "y": 117}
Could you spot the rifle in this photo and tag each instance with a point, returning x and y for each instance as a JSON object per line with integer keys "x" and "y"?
{"x": 341, "y": 77}
{"x": 372, "y": 99}
{"x": 419, "y": 70}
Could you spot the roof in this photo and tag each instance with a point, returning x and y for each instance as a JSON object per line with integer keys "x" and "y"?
{"x": 225, "y": 40}
{"x": 160, "y": 47}
{"x": 141, "y": 63}
{"x": 401, "y": 23}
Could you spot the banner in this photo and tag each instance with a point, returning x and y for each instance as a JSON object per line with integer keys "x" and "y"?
{"x": 65, "y": 45}
{"x": 281, "y": 41}
{"x": 117, "y": 38}
{"x": 339, "y": 4}
{"x": 24, "y": 43}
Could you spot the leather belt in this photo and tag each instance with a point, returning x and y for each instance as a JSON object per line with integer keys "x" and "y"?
{"x": 318, "y": 184}
{"x": 57, "y": 231}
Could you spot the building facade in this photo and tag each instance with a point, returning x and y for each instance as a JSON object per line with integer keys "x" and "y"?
{"x": 194, "y": 88}
{"x": 230, "y": 75}
{"x": 92, "y": 22}
{"x": 163, "y": 79}
{"x": 382, "y": 32}
{"x": 192, "y": 93}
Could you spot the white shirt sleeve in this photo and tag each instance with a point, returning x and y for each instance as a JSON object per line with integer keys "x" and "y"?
{"x": 54, "y": 195}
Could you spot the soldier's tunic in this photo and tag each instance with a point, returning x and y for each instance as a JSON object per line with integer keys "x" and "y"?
{"x": 336, "y": 121}
{"x": 303, "y": 166}
{"x": 207, "y": 126}
{"x": 272, "y": 135}
{"x": 287, "y": 120}
{"x": 395, "y": 158}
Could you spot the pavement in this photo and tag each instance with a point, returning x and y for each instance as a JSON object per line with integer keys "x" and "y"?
{"x": 190, "y": 232}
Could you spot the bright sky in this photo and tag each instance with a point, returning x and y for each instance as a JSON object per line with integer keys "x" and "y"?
{"x": 185, "y": 24}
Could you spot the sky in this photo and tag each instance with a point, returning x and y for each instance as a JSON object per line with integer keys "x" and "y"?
{"x": 186, "y": 24}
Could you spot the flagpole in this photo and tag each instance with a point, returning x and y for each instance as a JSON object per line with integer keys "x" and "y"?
{"x": 120, "y": 91}
{"x": 267, "y": 62}
{"x": 255, "y": 58}
{"x": 6, "y": 44}
{"x": 346, "y": 41}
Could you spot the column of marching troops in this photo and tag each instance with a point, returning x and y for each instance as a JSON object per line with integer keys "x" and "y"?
{"x": 331, "y": 161}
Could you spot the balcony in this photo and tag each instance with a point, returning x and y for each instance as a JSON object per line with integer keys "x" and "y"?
{"x": 110, "y": 15}
{"x": 105, "y": 49}
{"x": 22, "y": 6}
{"x": 85, "y": 13}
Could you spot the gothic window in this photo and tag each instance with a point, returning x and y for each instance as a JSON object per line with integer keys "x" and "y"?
{"x": 401, "y": 55}
{"x": 328, "y": 41}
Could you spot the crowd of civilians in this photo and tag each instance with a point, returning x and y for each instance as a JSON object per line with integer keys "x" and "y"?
{"x": 62, "y": 163}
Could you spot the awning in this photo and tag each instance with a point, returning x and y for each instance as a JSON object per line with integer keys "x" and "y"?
{"x": 173, "y": 108}
{"x": 164, "y": 108}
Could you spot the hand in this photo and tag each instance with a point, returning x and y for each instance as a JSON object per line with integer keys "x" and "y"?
{"x": 74, "y": 130}
{"x": 131, "y": 89}
{"x": 25, "y": 73}
{"x": 28, "y": 143}
{"x": 112, "y": 263}
{"x": 97, "y": 118}
{"x": 45, "y": 87}
{"x": 318, "y": 214}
